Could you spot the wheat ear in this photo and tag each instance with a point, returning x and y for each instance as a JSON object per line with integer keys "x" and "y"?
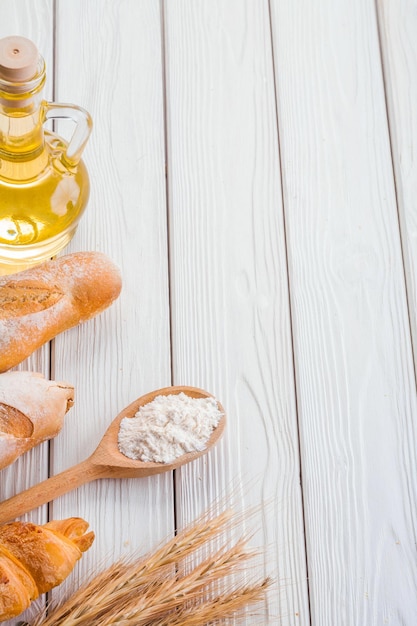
{"x": 153, "y": 591}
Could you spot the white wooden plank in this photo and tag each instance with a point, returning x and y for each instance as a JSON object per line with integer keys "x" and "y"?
{"x": 231, "y": 326}
{"x": 109, "y": 61}
{"x": 32, "y": 19}
{"x": 29, "y": 19}
{"x": 398, "y": 37}
{"x": 354, "y": 369}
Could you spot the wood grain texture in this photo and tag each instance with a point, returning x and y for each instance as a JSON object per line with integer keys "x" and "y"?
{"x": 354, "y": 369}
{"x": 109, "y": 61}
{"x": 398, "y": 39}
{"x": 230, "y": 240}
{"x": 29, "y": 19}
{"x": 231, "y": 328}
{"x": 32, "y": 19}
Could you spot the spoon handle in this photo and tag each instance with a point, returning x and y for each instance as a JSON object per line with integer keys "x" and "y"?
{"x": 49, "y": 489}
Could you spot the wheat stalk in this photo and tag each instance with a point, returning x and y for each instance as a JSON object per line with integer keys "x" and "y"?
{"x": 163, "y": 589}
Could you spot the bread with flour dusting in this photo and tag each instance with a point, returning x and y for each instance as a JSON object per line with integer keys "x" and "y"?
{"x": 39, "y": 303}
{"x": 32, "y": 409}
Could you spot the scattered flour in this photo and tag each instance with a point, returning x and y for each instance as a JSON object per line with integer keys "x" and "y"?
{"x": 168, "y": 427}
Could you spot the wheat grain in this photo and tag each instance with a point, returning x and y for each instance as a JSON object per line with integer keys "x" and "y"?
{"x": 176, "y": 585}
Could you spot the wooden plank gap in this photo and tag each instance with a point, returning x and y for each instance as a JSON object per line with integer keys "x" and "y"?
{"x": 54, "y": 48}
{"x": 168, "y": 230}
{"x": 290, "y": 308}
{"x": 401, "y": 219}
{"x": 167, "y": 198}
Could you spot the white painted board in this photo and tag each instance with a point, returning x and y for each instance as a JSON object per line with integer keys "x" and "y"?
{"x": 398, "y": 40}
{"x": 112, "y": 67}
{"x": 32, "y": 19}
{"x": 231, "y": 326}
{"x": 354, "y": 369}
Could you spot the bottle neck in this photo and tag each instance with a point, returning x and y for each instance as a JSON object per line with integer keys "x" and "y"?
{"x": 21, "y": 115}
{"x": 21, "y": 129}
{"x": 22, "y": 145}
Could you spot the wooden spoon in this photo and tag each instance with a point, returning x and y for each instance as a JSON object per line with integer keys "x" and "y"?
{"x": 106, "y": 461}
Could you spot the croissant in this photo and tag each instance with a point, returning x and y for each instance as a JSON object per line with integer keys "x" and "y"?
{"x": 34, "y": 559}
{"x": 32, "y": 409}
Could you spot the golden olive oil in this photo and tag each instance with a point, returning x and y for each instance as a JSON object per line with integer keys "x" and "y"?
{"x": 38, "y": 205}
{"x": 44, "y": 185}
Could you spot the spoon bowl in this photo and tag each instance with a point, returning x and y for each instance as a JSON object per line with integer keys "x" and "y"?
{"x": 108, "y": 455}
{"x": 107, "y": 461}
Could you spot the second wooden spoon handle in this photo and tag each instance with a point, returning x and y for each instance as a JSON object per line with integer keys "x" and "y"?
{"x": 49, "y": 489}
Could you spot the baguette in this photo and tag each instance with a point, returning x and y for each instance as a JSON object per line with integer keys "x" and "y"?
{"x": 39, "y": 303}
{"x": 34, "y": 559}
{"x": 32, "y": 410}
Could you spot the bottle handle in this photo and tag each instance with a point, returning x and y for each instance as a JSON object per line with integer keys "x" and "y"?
{"x": 84, "y": 125}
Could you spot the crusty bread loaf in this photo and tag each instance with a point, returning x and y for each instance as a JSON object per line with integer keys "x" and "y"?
{"x": 39, "y": 303}
{"x": 32, "y": 410}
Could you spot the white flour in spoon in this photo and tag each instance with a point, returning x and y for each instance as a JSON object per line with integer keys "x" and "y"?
{"x": 168, "y": 427}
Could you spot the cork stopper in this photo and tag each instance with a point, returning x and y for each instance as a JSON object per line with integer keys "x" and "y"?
{"x": 18, "y": 59}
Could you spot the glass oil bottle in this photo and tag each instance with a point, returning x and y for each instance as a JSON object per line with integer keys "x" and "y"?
{"x": 44, "y": 184}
